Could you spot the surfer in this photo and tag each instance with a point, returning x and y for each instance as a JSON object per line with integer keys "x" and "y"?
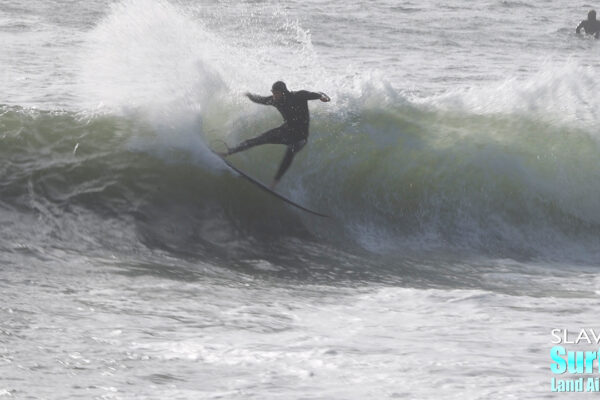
{"x": 591, "y": 26}
{"x": 293, "y": 106}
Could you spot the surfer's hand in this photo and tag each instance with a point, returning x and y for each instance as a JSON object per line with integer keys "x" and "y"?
{"x": 324, "y": 98}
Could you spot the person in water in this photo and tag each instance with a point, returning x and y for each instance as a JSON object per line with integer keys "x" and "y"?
{"x": 591, "y": 26}
{"x": 293, "y": 106}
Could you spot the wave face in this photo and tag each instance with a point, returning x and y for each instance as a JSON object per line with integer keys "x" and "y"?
{"x": 395, "y": 176}
{"x": 507, "y": 171}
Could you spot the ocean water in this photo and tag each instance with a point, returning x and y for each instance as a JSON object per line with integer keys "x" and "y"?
{"x": 458, "y": 159}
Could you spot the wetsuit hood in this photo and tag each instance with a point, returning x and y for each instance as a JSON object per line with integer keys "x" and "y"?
{"x": 279, "y": 86}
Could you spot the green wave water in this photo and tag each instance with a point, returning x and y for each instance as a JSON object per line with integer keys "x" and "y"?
{"x": 400, "y": 178}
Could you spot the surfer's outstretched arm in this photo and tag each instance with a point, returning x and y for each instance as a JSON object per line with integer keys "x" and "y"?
{"x": 306, "y": 95}
{"x": 266, "y": 100}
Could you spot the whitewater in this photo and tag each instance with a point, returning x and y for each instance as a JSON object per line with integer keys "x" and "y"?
{"x": 458, "y": 160}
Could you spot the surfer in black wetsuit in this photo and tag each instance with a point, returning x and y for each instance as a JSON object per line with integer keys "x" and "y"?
{"x": 293, "y": 106}
{"x": 591, "y": 26}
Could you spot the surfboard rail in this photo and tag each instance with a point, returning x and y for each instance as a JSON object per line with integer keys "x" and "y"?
{"x": 264, "y": 187}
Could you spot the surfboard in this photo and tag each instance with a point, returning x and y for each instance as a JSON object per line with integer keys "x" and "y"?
{"x": 264, "y": 187}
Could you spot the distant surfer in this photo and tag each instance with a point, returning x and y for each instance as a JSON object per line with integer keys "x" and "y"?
{"x": 591, "y": 26}
{"x": 293, "y": 106}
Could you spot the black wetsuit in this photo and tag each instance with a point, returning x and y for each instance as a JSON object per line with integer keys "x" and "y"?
{"x": 591, "y": 27}
{"x": 293, "y": 133}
